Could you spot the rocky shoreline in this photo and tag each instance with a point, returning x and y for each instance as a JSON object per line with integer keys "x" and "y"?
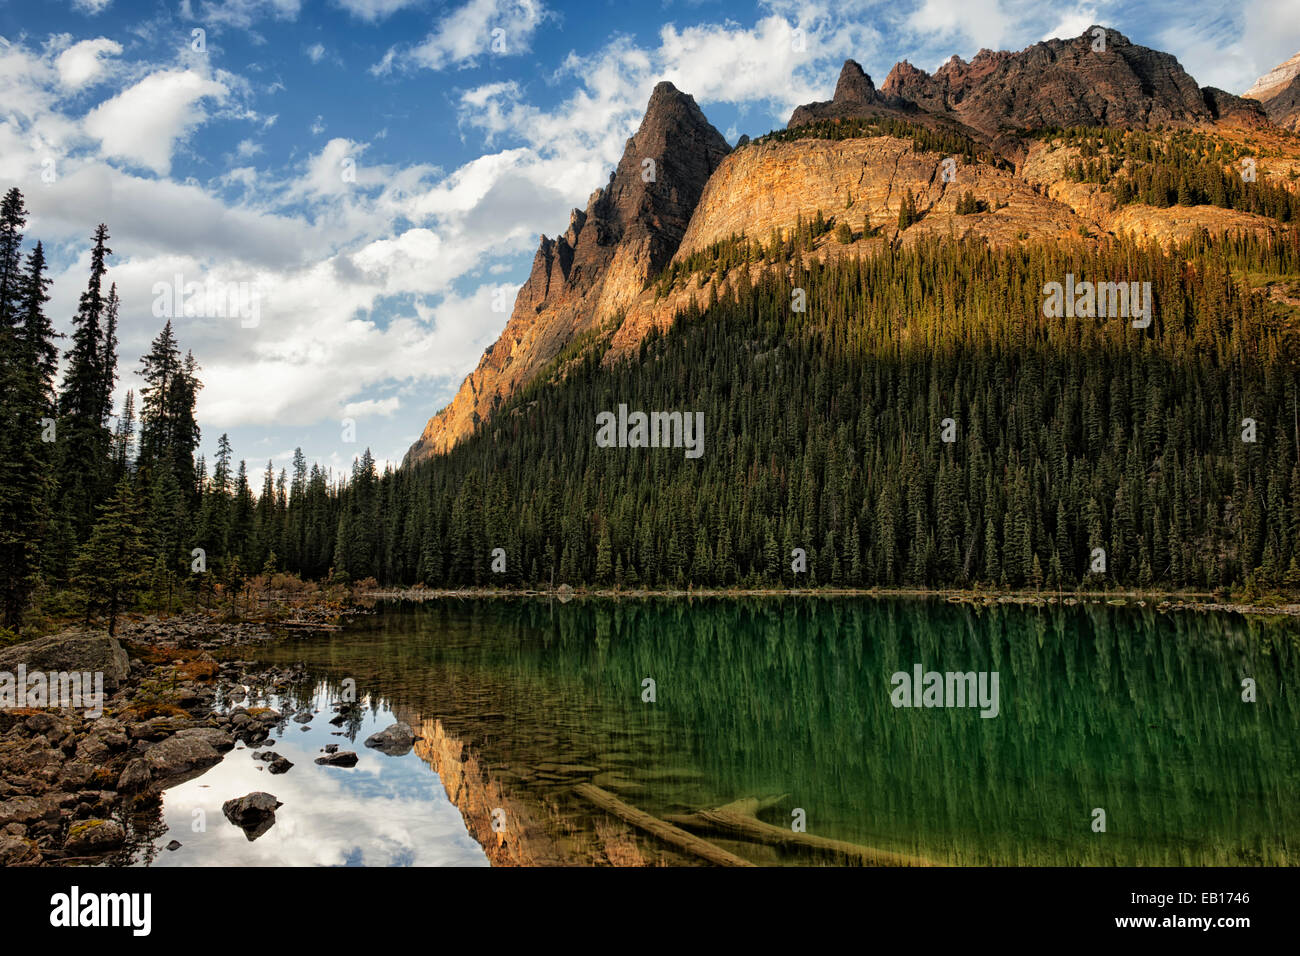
{"x": 1159, "y": 600}
{"x": 79, "y": 789}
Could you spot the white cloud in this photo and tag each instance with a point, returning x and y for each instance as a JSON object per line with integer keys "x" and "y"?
{"x": 143, "y": 123}
{"x": 91, "y": 7}
{"x": 479, "y": 28}
{"x": 372, "y": 10}
{"x": 372, "y": 406}
{"x": 983, "y": 21}
{"x": 1231, "y": 52}
{"x": 81, "y": 64}
{"x": 316, "y": 52}
{"x": 1072, "y": 23}
{"x": 244, "y": 13}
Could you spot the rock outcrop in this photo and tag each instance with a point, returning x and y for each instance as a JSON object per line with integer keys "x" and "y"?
{"x": 1283, "y": 106}
{"x": 74, "y": 649}
{"x": 1275, "y": 80}
{"x": 1227, "y": 108}
{"x": 1097, "y": 79}
{"x": 628, "y": 232}
{"x": 254, "y": 813}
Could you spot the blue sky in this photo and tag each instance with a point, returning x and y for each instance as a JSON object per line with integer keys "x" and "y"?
{"x": 365, "y": 178}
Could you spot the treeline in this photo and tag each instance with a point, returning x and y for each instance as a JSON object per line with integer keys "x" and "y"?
{"x": 99, "y": 512}
{"x": 917, "y": 422}
{"x": 1179, "y": 168}
{"x": 824, "y": 432}
{"x": 924, "y": 138}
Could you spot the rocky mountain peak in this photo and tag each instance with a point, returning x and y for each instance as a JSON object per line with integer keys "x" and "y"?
{"x": 1278, "y": 91}
{"x": 854, "y": 84}
{"x": 855, "y": 96}
{"x": 627, "y": 234}
{"x": 1099, "y": 78}
{"x": 1275, "y": 80}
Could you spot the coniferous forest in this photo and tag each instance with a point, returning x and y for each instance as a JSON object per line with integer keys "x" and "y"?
{"x": 917, "y": 423}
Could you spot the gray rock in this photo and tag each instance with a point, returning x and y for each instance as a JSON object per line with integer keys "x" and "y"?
{"x": 181, "y": 756}
{"x": 48, "y": 725}
{"x": 136, "y": 776}
{"x": 254, "y": 813}
{"x": 94, "y": 836}
{"x": 156, "y": 728}
{"x": 344, "y": 758}
{"x": 17, "y": 850}
{"x": 175, "y": 845}
{"x": 279, "y": 765}
{"x": 394, "y": 741}
{"x": 20, "y": 810}
{"x": 76, "y": 775}
{"x": 217, "y": 739}
{"x": 73, "y": 649}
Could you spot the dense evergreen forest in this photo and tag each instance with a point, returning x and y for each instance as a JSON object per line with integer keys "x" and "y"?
{"x": 917, "y": 422}
{"x": 1180, "y": 168}
{"x": 824, "y": 432}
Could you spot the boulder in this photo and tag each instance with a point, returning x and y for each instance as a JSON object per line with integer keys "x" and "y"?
{"x": 344, "y": 758}
{"x": 180, "y": 757}
{"x": 73, "y": 649}
{"x": 136, "y": 776}
{"x": 93, "y": 836}
{"x": 254, "y": 813}
{"x": 156, "y": 728}
{"x": 217, "y": 739}
{"x": 394, "y": 741}
{"x": 17, "y": 851}
{"x": 20, "y": 810}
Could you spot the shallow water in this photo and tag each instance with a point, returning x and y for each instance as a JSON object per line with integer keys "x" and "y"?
{"x": 385, "y": 811}
{"x": 1119, "y": 709}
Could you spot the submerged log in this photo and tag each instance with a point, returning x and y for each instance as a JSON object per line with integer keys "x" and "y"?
{"x": 656, "y": 827}
{"x": 739, "y": 821}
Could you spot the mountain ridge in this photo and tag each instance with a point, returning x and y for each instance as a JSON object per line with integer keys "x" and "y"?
{"x": 596, "y": 276}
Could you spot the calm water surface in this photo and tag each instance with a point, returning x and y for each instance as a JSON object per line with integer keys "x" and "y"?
{"x": 1119, "y": 708}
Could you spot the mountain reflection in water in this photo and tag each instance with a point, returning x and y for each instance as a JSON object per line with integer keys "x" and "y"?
{"x": 1121, "y": 708}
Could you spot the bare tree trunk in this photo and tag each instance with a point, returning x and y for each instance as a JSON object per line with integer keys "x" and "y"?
{"x": 653, "y": 825}
{"x": 738, "y": 821}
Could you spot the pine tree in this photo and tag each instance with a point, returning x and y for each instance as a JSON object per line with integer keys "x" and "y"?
{"x": 113, "y": 566}
{"x": 83, "y": 433}
{"x": 26, "y": 454}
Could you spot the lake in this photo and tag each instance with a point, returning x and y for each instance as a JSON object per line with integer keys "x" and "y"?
{"x": 1119, "y": 736}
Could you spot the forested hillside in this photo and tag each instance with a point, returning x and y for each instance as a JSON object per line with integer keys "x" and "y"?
{"x": 823, "y": 432}
{"x": 908, "y": 418}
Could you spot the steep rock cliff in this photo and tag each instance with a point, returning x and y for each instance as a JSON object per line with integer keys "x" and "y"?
{"x": 628, "y": 232}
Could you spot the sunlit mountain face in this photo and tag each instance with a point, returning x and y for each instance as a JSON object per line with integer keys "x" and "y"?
{"x": 378, "y": 172}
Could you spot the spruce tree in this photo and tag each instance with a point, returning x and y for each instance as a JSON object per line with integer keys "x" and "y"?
{"x": 112, "y": 567}
{"x": 83, "y": 435}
